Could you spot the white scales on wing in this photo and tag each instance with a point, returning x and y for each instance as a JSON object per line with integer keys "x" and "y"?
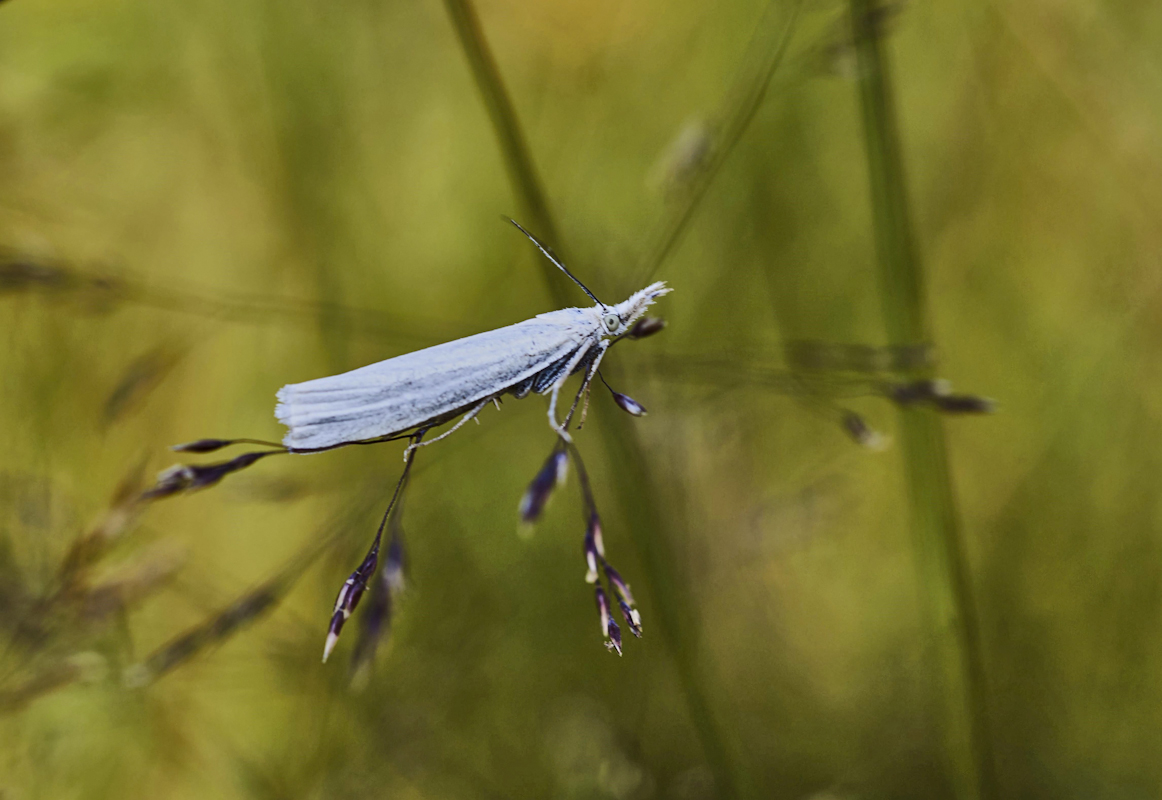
{"x": 414, "y": 389}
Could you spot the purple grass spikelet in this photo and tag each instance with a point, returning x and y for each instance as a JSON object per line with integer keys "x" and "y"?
{"x": 646, "y": 326}
{"x": 591, "y": 556}
{"x": 602, "y": 608}
{"x": 629, "y": 405}
{"x": 609, "y": 628}
{"x": 632, "y": 618}
{"x": 624, "y": 401}
{"x": 938, "y": 394}
{"x": 964, "y": 404}
{"x": 202, "y": 446}
{"x": 614, "y": 643}
{"x": 393, "y": 566}
{"x": 191, "y": 477}
{"x": 921, "y": 391}
{"x": 624, "y": 598}
{"x": 349, "y": 596}
{"x": 617, "y": 582}
{"x": 861, "y": 433}
{"x": 594, "y": 530}
{"x": 170, "y": 481}
{"x": 562, "y": 464}
{"x": 206, "y": 476}
{"x": 355, "y": 585}
{"x": 551, "y": 475}
{"x": 375, "y": 624}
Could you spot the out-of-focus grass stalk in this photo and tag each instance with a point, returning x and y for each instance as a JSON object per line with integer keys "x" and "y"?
{"x": 517, "y": 156}
{"x": 251, "y": 605}
{"x": 943, "y": 564}
{"x": 103, "y": 292}
{"x": 743, "y": 101}
{"x": 636, "y": 494}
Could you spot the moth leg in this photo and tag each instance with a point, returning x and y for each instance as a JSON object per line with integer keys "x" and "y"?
{"x": 553, "y": 414}
{"x": 585, "y": 389}
{"x": 584, "y": 406}
{"x": 565, "y": 375}
{"x": 470, "y": 415}
{"x": 561, "y": 428}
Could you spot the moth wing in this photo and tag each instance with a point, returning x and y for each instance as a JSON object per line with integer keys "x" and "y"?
{"x": 406, "y": 391}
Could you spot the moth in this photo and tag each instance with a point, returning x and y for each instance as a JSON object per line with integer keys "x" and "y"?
{"x": 407, "y": 396}
{"x": 428, "y": 387}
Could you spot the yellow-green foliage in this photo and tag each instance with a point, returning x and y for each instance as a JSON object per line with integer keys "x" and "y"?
{"x": 224, "y": 197}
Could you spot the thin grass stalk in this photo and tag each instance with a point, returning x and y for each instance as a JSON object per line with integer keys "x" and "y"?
{"x": 940, "y": 551}
{"x": 746, "y": 97}
{"x": 635, "y": 491}
{"x": 517, "y": 155}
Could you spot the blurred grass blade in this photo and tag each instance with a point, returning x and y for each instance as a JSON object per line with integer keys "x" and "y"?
{"x": 248, "y": 607}
{"x": 243, "y": 612}
{"x": 251, "y": 309}
{"x": 636, "y": 498}
{"x": 943, "y": 564}
{"x": 48, "y": 679}
{"x": 104, "y": 291}
{"x": 139, "y": 380}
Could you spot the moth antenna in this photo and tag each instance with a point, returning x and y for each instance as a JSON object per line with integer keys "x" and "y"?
{"x": 549, "y": 254}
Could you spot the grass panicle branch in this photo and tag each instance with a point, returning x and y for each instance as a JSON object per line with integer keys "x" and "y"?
{"x": 593, "y": 550}
{"x": 375, "y": 623}
{"x": 551, "y": 475}
{"x": 357, "y": 583}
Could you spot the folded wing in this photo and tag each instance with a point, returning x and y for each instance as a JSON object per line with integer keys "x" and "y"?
{"x": 403, "y": 392}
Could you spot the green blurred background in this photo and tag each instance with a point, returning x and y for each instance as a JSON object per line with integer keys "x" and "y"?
{"x": 224, "y": 197}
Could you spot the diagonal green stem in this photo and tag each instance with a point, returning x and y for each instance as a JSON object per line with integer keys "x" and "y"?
{"x": 635, "y": 490}
{"x": 746, "y": 97}
{"x": 942, "y": 561}
{"x": 517, "y": 156}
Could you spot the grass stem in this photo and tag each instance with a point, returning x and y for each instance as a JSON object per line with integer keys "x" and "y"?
{"x": 517, "y": 156}
{"x": 635, "y": 493}
{"x": 943, "y": 564}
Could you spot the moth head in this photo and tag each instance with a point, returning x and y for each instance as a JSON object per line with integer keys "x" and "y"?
{"x": 617, "y": 320}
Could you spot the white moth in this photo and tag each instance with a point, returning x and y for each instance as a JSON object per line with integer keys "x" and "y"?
{"x": 419, "y": 390}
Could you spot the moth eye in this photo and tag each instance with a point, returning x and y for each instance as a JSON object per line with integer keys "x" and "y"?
{"x": 611, "y": 322}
